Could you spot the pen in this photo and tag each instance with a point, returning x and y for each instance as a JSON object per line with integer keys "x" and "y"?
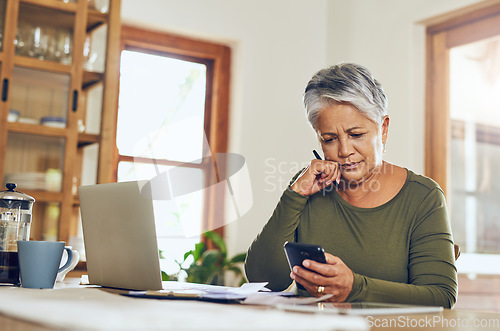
{"x": 316, "y": 154}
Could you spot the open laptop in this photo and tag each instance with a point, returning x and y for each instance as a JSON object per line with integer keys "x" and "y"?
{"x": 120, "y": 235}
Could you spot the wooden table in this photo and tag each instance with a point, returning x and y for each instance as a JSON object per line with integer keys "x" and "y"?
{"x": 403, "y": 322}
{"x": 242, "y": 317}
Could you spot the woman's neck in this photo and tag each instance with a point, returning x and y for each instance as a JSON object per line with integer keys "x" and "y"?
{"x": 379, "y": 187}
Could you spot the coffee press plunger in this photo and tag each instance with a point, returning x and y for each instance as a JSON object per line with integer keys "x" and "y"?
{"x": 15, "y": 223}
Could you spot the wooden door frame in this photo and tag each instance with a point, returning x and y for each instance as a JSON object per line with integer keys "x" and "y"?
{"x": 457, "y": 28}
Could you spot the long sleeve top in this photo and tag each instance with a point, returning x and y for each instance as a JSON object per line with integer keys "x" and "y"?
{"x": 399, "y": 252}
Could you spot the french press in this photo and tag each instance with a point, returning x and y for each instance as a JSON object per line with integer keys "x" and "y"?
{"x": 15, "y": 223}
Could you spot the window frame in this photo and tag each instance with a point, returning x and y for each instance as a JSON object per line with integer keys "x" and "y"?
{"x": 217, "y": 58}
{"x": 457, "y": 28}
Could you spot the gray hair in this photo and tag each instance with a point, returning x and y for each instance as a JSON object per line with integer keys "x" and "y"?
{"x": 345, "y": 83}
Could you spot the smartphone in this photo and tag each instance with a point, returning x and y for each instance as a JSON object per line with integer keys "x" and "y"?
{"x": 296, "y": 253}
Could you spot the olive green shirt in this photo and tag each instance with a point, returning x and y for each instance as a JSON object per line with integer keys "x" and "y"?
{"x": 399, "y": 252}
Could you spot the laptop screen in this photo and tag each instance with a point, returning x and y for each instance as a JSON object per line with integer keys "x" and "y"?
{"x": 120, "y": 236}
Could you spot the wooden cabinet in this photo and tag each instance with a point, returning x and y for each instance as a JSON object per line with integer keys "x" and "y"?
{"x": 59, "y": 62}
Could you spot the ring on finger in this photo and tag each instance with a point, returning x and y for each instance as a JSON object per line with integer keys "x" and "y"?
{"x": 321, "y": 289}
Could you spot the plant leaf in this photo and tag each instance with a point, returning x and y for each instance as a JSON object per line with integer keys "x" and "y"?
{"x": 160, "y": 252}
{"x": 238, "y": 258}
{"x": 212, "y": 258}
{"x": 199, "y": 249}
{"x": 186, "y": 255}
{"x": 217, "y": 240}
{"x": 164, "y": 276}
{"x": 198, "y": 274}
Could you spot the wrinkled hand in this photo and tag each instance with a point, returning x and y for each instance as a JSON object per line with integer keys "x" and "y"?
{"x": 318, "y": 175}
{"x": 333, "y": 275}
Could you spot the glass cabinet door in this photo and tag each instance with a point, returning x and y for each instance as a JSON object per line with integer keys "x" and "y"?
{"x": 34, "y": 163}
{"x": 40, "y": 97}
{"x": 45, "y": 34}
{"x": 54, "y": 87}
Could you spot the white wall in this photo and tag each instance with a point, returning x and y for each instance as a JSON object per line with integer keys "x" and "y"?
{"x": 277, "y": 45}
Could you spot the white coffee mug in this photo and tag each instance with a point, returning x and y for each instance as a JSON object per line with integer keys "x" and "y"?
{"x": 62, "y": 274}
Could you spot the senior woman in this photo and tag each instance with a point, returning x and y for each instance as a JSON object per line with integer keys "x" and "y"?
{"x": 385, "y": 229}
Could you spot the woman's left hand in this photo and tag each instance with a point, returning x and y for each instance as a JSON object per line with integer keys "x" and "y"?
{"x": 334, "y": 277}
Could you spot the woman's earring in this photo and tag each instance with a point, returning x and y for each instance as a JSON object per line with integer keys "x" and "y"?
{"x": 383, "y": 150}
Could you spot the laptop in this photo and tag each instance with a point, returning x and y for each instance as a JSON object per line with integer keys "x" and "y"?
{"x": 120, "y": 235}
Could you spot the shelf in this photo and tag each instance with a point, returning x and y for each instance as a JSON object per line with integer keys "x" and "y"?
{"x": 33, "y": 63}
{"x": 85, "y": 139}
{"x": 91, "y": 78}
{"x": 35, "y": 129}
{"x": 44, "y": 196}
{"x": 95, "y": 19}
{"x": 48, "y": 13}
{"x": 54, "y": 4}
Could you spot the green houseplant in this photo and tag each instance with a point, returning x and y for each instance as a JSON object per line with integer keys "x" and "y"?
{"x": 209, "y": 266}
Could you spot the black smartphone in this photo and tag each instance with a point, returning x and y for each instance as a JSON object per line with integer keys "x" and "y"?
{"x": 296, "y": 253}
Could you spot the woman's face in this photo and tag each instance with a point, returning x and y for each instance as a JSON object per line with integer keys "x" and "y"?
{"x": 352, "y": 140}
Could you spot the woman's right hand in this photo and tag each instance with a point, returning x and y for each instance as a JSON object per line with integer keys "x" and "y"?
{"x": 318, "y": 175}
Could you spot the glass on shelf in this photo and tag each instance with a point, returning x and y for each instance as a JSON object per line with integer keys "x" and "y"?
{"x": 19, "y": 43}
{"x": 61, "y": 48}
{"x": 99, "y": 5}
{"x": 34, "y": 163}
{"x": 94, "y": 49}
{"x": 22, "y": 35}
{"x": 89, "y": 54}
{"x": 38, "y": 42}
{"x": 40, "y": 97}
{"x": 44, "y": 42}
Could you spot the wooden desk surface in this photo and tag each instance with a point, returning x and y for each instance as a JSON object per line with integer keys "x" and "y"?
{"x": 115, "y": 306}
{"x": 8, "y": 324}
{"x": 448, "y": 320}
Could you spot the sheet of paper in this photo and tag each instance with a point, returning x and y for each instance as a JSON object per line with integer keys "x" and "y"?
{"x": 276, "y": 298}
{"x": 203, "y": 291}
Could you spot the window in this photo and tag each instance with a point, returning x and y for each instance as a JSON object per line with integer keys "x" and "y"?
{"x": 172, "y": 117}
{"x": 463, "y": 131}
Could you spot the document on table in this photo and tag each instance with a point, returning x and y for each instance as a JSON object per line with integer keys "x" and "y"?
{"x": 276, "y": 299}
{"x": 181, "y": 290}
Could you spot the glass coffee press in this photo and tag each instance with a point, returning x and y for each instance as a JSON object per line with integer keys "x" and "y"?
{"x": 15, "y": 223}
